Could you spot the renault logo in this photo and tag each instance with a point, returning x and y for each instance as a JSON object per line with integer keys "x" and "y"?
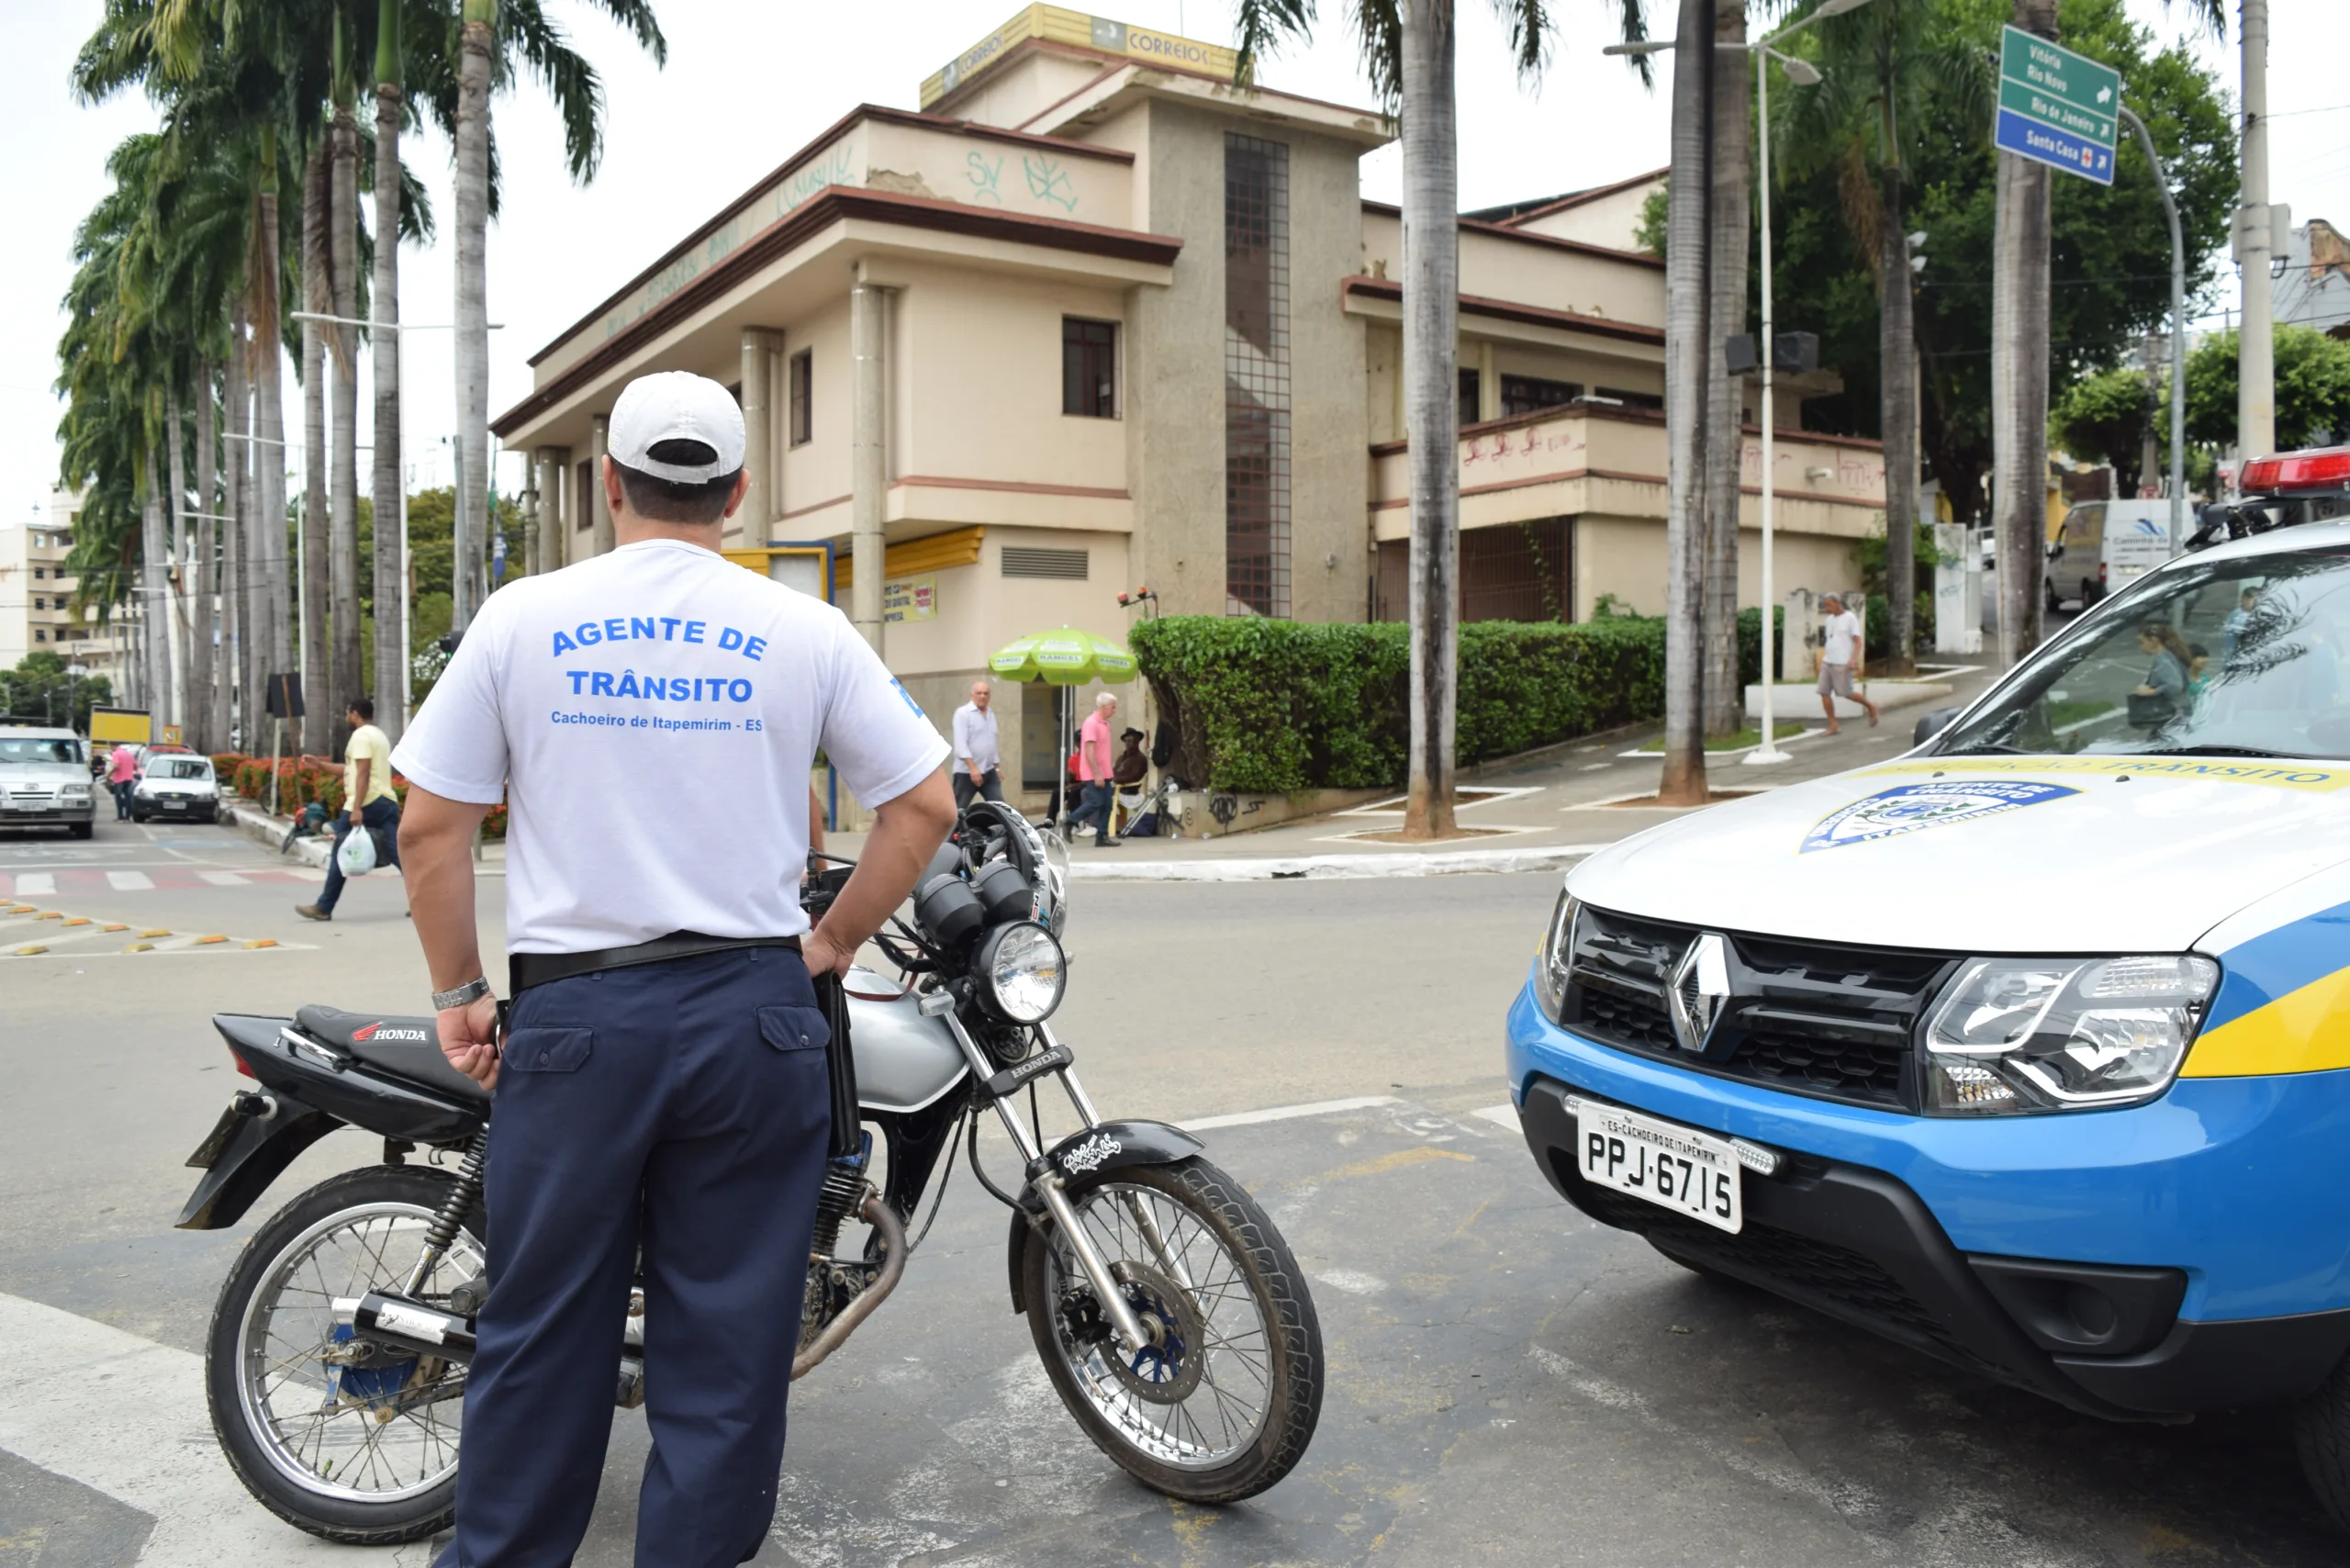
{"x": 1696, "y": 989}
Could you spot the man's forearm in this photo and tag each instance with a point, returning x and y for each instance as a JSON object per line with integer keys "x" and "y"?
{"x": 436, "y": 864}
{"x": 359, "y": 795}
{"x": 906, "y": 832}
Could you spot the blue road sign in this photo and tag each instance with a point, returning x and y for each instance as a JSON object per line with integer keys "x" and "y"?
{"x": 2044, "y": 143}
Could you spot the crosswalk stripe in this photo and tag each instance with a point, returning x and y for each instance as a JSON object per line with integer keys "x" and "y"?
{"x": 129, "y": 882}
{"x": 36, "y": 884}
{"x": 224, "y": 879}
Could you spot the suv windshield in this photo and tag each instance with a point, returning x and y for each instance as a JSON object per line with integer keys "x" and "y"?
{"x": 2241, "y": 657}
{"x": 19, "y": 749}
{"x": 180, "y": 767}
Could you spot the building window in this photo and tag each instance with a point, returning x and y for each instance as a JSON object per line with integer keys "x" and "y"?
{"x": 40, "y": 571}
{"x": 587, "y": 513}
{"x": 40, "y": 636}
{"x": 1468, "y": 399}
{"x": 1525, "y": 394}
{"x": 802, "y": 397}
{"x": 1512, "y": 571}
{"x": 1088, "y": 368}
{"x": 1652, "y": 401}
{"x": 1256, "y": 376}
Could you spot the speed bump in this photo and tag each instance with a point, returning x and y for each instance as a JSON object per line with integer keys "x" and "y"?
{"x": 79, "y": 920}
{"x": 117, "y": 927}
{"x": 157, "y": 932}
{"x": 262, "y": 942}
{"x": 29, "y": 952}
{"x": 140, "y": 947}
{"x": 207, "y": 941}
{"x": 53, "y": 915}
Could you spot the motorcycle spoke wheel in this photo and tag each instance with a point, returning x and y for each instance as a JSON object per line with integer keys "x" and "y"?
{"x": 364, "y": 1453}
{"x": 1221, "y": 1402}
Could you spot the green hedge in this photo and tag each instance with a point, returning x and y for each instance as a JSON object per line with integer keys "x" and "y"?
{"x": 1274, "y": 706}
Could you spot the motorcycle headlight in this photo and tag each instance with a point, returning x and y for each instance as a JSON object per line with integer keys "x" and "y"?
{"x": 1021, "y": 972}
{"x": 1558, "y": 952}
{"x": 2023, "y": 1035}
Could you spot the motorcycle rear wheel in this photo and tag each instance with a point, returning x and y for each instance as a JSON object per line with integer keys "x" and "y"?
{"x": 360, "y": 1457}
{"x": 1224, "y": 1405}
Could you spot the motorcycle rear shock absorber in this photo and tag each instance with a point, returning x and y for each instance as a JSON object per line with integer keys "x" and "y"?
{"x": 843, "y": 1190}
{"x": 451, "y": 1218}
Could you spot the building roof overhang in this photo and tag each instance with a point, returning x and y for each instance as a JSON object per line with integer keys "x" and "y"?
{"x": 1383, "y": 297}
{"x": 1122, "y": 85}
{"x": 1521, "y": 237}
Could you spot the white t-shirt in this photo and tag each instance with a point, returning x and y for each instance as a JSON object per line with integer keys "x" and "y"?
{"x": 651, "y": 716}
{"x": 1843, "y": 636}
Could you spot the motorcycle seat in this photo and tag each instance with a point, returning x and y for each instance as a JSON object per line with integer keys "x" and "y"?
{"x": 404, "y": 1048}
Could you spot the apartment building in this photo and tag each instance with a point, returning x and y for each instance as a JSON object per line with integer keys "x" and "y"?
{"x": 36, "y": 592}
{"x": 1095, "y": 318}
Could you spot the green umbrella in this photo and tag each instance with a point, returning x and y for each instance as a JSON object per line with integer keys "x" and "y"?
{"x": 1065, "y": 658}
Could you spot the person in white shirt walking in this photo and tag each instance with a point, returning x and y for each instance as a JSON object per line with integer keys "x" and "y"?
{"x": 1840, "y": 663}
{"x": 977, "y": 759}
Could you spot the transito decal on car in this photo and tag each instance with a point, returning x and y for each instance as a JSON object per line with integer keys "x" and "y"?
{"x": 1907, "y": 808}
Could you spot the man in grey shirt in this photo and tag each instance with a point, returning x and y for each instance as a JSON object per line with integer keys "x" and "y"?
{"x": 976, "y": 758}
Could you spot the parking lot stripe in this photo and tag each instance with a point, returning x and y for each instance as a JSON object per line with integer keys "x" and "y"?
{"x": 1285, "y": 1113}
{"x": 154, "y": 1448}
{"x": 129, "y": 882}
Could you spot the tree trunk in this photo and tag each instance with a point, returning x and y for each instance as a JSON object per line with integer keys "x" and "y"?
{"x": 343, "y": 553}
{"x": 391, "y": 680}
{"x": 154, "y": 600}
{"x": 231, "y": 702}
{"x": 1686, "y": 333}
{"x": 1725, "y": 694}
{"x": 204, "y": 623}
{"x": 1431, "y": 393}
{"x": 1897, "y": 358}
{"x": 477, "y": 42}
{"x": 318, "y": 298}
{"x": 2020, "y": 380}
{"x": 175, "y": 577}
{"x": 267, "y": 557}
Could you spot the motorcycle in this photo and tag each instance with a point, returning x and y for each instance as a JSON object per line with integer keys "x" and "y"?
{"x": 1169, "y": 1314}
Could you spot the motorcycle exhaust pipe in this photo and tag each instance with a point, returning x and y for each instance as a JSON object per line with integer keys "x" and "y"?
{"x": 881, "y": 1217}
{"x": 408, "y": 1325}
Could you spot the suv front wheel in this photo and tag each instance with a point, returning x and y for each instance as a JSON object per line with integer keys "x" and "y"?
{"x": 2322, "y": 1433}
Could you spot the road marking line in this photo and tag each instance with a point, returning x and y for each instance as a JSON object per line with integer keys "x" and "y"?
{"x": 1360, "y": 863}
{"x": 1501, "y": 1116}
{"x": 1286, "y": 1113}
{"x": 225, "y": 879}
{"x": 129, "y": 881}
{"x": 36, "y": 884}
{"x": 153, "y": 1449}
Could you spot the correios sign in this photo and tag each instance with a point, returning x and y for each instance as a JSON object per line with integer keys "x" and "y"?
{"x": 1059, "y": 26}
{"x": 2056, "y": 108}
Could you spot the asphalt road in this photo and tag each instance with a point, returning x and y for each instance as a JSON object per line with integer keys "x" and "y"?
{"x": 1507, "y": 1384}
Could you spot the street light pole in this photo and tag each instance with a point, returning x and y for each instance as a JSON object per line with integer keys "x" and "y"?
{"x": 2177, "y": 335}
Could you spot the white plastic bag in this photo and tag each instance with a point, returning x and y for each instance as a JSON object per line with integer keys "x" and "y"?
{"x": 356, "y": 855}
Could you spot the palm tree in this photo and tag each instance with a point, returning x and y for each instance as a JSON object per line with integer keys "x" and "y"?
{"x": 390, "y": 680}
{"x": 1687, "y": 312}
{"x": 343, "y": 256}
{"x": 318, "y": 299}
{"x": 1880, "y": 65}
{"x": 491, "y": 28}
{"x": 1407, "y": 49}
{"x": 1731, "y": 220}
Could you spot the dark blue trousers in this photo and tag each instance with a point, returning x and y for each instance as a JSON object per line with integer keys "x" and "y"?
{"x": 680, "y": 1108}
{"x": 382, "y": 813}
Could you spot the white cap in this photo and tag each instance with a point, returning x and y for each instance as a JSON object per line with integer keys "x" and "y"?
{"x": 676, "y": 405}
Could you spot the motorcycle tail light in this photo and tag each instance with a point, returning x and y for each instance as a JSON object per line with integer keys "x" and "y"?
{"x": 244, "y": 1067}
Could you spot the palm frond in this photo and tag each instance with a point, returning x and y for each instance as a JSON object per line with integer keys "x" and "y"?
{"x": 1260, "y": 27}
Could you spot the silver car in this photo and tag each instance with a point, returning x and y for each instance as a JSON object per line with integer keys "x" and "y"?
{"x": 45, "y": 781}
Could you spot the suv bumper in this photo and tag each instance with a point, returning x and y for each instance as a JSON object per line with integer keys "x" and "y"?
{"x": 2032, "y": 1249}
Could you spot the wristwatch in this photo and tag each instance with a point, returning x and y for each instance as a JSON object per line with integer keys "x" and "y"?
{"x": 472, "y": 990}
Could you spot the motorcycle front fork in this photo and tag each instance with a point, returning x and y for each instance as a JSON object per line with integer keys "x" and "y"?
{"x": 1131, "y": 1334}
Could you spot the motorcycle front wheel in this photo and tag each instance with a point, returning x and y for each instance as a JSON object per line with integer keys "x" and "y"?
{"x": 353, "y": 1443}
{"x": 1223, "y": 1401}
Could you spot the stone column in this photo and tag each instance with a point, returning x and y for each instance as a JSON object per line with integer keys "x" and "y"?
{"x": 548, "y": 472}
{"x": 869, "y": 457}
{"x": 1489, "y": 383}
{"x": 530, "y": 503}
{"x": 750, "y": 525}
{"x": 599, "y": 442}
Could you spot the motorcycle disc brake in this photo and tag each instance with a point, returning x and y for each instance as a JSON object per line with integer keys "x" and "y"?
{"x": 1167, "y": 1370}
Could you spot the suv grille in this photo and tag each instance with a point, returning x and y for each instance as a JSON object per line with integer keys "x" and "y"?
{"x": 1835, "y": 1023}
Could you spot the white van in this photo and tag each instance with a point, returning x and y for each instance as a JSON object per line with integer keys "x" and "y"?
{"x": 2104, "y": 547}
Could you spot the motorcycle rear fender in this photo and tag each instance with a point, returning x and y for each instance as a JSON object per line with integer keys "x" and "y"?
{"x": 344, "y": 1087}
{"x": 1111, "y": 1145}
{"x": 256, "y": 1154}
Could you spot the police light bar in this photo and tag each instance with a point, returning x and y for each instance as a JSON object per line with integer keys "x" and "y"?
{"x": 2289, "y": 473}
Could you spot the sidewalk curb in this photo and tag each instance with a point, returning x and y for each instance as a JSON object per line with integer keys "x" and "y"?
{"x": 263, "y": 828}
{"x": 1335, "y": 867}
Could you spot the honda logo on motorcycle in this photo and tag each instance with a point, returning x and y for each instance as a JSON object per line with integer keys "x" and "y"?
{"x": 1696, "y": 989}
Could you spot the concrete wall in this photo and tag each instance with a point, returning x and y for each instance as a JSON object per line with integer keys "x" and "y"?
{"x": 1500, "y": 268}
{"x": 1330, "y": 559}
{"x": 1625, "y": 556}
{"x": 817, "y": 472}
{"x": 1613, "y": 220}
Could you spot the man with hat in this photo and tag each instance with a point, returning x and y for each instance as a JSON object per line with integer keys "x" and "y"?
{"x": 650, "y": 717}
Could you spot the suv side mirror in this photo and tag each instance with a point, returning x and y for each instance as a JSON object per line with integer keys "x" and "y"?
{"x": 2056, "y": 550}
{"x": 1933, "y": 722}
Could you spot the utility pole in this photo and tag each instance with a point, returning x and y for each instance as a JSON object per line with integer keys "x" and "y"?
{"x": 2255, "y": 344}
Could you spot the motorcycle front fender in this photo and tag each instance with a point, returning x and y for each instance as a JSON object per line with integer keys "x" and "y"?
{"x": 1111, "y": 1145}
{"x": 255, "y": 1151}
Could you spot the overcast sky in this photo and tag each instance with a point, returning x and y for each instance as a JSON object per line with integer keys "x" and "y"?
{"x": 748, "y": 85}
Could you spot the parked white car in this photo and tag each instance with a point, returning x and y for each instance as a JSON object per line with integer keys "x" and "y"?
{"x": 45, "y": 779}
{"x": 176, "y": 785}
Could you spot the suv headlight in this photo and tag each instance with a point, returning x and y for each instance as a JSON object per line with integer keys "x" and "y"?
{"x": 75, "y": 792}
{"x": 2024, "y": 1035}
{"x": 1558, "y": 954}
{"x": 1021, "y": 972}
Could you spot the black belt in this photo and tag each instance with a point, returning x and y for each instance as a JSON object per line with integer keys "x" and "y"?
{"x": 524, "y": 971}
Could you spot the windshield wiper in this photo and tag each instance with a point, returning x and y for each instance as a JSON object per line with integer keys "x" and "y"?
{"x": 1986, "y": 748}
{"x": 2207, "y": 751}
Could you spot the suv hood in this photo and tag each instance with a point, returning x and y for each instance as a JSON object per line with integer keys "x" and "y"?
{"x": 49, "y": 773}
{"x": 1989, "y": 854}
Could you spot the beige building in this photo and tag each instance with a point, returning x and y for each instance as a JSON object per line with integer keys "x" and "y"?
{"x": 1094, "y": 318}
{"x": 36, "y": 592}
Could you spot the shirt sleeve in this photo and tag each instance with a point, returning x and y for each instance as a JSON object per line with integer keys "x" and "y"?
{"x": 874, "y": 730}
{"x": 455, "y": 747}
{"x": 966, "y": 735}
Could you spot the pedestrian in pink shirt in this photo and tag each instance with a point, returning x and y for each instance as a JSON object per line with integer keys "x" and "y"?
{"x": 122, "y": 776}
{"x": 1096, "y": 756}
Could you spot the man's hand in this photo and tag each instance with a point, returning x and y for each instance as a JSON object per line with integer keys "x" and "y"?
{"x": 469, "y": 1039}
{"x": 823, "y": 956}
{"x": 972, "y": 767}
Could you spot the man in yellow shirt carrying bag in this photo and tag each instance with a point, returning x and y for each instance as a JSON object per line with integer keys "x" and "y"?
{"x": 368, "y": 803}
